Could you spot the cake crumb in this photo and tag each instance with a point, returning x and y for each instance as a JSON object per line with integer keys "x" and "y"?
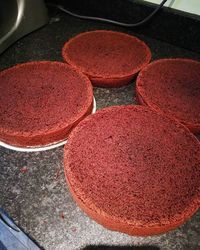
{"x": 62, "y": 215}
{"x": 23, "y": 169}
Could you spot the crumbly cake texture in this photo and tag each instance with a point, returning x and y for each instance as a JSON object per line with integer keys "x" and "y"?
{"x": 41, "y": 102}
{"x": 172, "y": 87}
{"x": 108, "y": 58}
{"x": 133, "y": 170}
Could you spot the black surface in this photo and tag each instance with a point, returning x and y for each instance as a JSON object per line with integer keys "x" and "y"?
{"x": 36, "y": 199}
{"x": 46, "y": 43}
{"x": 169, "y": 25}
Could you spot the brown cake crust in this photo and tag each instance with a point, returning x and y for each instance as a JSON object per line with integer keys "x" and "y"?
{"x": 172, "y": 87}
{"x": 41, "y": 102}
{"x": 108, "y": 58}
{"x": 133, "y": 170}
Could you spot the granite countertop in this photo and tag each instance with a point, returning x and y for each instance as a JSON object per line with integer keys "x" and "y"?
{"x": 38, "y": 198}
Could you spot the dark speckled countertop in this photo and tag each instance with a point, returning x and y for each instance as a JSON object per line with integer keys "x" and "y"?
{"x": 38, "y": 199}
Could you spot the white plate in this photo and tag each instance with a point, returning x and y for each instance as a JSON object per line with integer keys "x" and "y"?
{"x": 44, "y": 147}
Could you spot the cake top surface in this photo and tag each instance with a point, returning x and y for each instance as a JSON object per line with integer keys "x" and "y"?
{"x": 108, "y": 54}
{"x": 131, "y": 165}
{"x": 42, "y": 96}
{"x": 172, "y": 86}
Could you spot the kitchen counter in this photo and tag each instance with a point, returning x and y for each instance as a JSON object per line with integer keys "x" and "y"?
{"x": 33, "y": 188}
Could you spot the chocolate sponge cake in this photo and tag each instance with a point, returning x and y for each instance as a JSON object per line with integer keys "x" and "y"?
{"x": 108, "y": 58}
{"x": 133, "y": 170}
{"x": 172, "y": 87}
{"x": 41, "y": 102}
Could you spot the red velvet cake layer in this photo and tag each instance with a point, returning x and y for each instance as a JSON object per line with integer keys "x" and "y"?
{"x": 133, "y": 170}
{"x": 172, "y": 87}
{"x": 41, "y": 102}
{"x": 108, "y": 58}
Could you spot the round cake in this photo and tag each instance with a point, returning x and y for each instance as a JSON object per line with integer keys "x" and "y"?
{"x": 172, "y": 87}
{"x": 41, "y": 102}
{"x": 108, "y": 58}
{"x": 133, "y": 170}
